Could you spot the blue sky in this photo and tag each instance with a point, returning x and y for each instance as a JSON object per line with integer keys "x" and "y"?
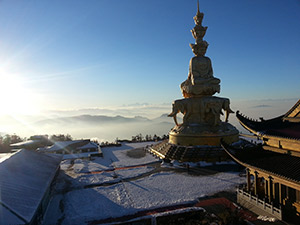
{"x": 106, "y": 53}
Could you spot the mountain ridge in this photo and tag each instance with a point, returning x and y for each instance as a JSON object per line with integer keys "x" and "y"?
{"x": 104, "y": 119}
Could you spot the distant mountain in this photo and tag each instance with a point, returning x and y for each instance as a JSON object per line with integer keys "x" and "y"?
{"x": 91, "y": 119}
{"x": 87, "y": 126}
{"x": 163, "y": 118}
{"x": 105, "y": 127}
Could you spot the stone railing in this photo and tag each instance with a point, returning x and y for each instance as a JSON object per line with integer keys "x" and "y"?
{"x": 258, "y": 203}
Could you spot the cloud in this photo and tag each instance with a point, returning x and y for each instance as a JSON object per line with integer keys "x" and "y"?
{"x": 139, "y": 109}
{"x": 262, "y": 106}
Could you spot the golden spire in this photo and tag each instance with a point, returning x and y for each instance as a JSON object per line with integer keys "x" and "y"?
{"x": 199, "y": 31}
{"x": 198, "y": 11}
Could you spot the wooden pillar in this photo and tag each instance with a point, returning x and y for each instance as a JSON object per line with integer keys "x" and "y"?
{"x": 255, "y": 183}
{"x": 274, "y": 190}
{"x": 248, "y": 179}
{"x": 280, "y": 193}
{"x": 266, "y": 188}
{"x": 270, "y": 189}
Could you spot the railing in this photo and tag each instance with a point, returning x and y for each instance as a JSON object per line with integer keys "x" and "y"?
{"x": 260, "y": 204}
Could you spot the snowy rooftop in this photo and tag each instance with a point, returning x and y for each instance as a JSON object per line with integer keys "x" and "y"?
{"x": 24, "y": 143}
{"x": 127, "y": 180}
{"x": 89, "y": 145}
{"x": 61, "y": 144}
{"x": 78, "y": 144}
{"x": 24, "y": 178}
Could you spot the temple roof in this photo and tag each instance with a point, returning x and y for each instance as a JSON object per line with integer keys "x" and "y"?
{"x": 25, "y": 177}
{"x": 293, "y": 115}
{"x": 276, "y": 127}
{"x": 254, "y": 156}
{"x": 285, "y": 126}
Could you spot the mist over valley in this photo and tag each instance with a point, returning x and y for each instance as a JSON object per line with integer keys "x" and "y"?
{"x": 125, "y": 121}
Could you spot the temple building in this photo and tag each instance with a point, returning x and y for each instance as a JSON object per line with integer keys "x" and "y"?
{"x": 73, "y": 147}
{"x": 273, "y": 167}
{"x": 198, "y": 137}
{"x": 26, "y": 181}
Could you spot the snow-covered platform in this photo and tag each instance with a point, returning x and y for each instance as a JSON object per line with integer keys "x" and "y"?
{"x": 122, "y": 183}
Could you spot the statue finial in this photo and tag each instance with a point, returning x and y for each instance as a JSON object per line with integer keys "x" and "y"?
{"x": 198, "y": 31}
{"x": 199, "y": 16}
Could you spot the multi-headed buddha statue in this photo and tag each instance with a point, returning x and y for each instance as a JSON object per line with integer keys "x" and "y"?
{"x": 200, "y": 81}
{"x": 201, "y": 110}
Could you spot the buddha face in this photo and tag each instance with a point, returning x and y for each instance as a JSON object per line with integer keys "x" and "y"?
{"x": 199, "y": 50}
{"x": 198, "y": 18}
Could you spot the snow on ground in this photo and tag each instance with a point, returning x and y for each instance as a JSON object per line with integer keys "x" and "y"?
{"x": 156, "y": 190}
{"x": 119, "y": 184}
{"x": 99, "y": 170}
{"x": 96, "y": 203}
{"x": 65, "y": 164}
{"x": 133, "y": 172}
{"x": 109, "y": 176}
{"x": 113, "y": 157}
{"x": 169, "y": 188}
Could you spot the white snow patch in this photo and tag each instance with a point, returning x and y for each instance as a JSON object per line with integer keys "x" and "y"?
{"x": 168, "y": 188}
{"x": 133, "y": 172}
{"x": 157, "y": 190}
{"x": 113, "y": 157}
{"x": 108, "y": 177}
{"x": 118, "y": 195}
{"x": 96, "y": 203}
{"x": 266, "y": 218}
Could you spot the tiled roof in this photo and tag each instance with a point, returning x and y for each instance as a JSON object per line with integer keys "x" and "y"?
{"x": 24, "y": 178}
{"x": 294, "y": 111}
{"x": 165, "y": 150}
{"x": 273, "y": 127}
{"x": 59, "y": 145}
{"x": 89, "y": 145}
{"x": 282, "y": 165}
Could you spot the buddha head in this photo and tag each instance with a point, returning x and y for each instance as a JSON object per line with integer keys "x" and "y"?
{"x": 198, "y": 18}
{"x": 199, "y": 32}
{"x": 200, "y": 48}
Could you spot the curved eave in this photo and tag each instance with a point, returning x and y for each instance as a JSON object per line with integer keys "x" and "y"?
{"x": 258, "y": 127}
{"x": 291, "y": 182}
{"x": 248, "y": 128}
{"x": 251, "y": 125}
{"x": 288, "y": 114}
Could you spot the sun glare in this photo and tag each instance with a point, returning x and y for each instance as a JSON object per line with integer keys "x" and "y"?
{"x": 15, "y": 97}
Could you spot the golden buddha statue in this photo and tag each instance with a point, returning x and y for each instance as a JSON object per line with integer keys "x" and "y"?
{"x": 202, "y": 125}
{"x": 200, "y": 81}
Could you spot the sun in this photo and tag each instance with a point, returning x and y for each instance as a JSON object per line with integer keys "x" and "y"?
{"x": 15, "y": 97}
